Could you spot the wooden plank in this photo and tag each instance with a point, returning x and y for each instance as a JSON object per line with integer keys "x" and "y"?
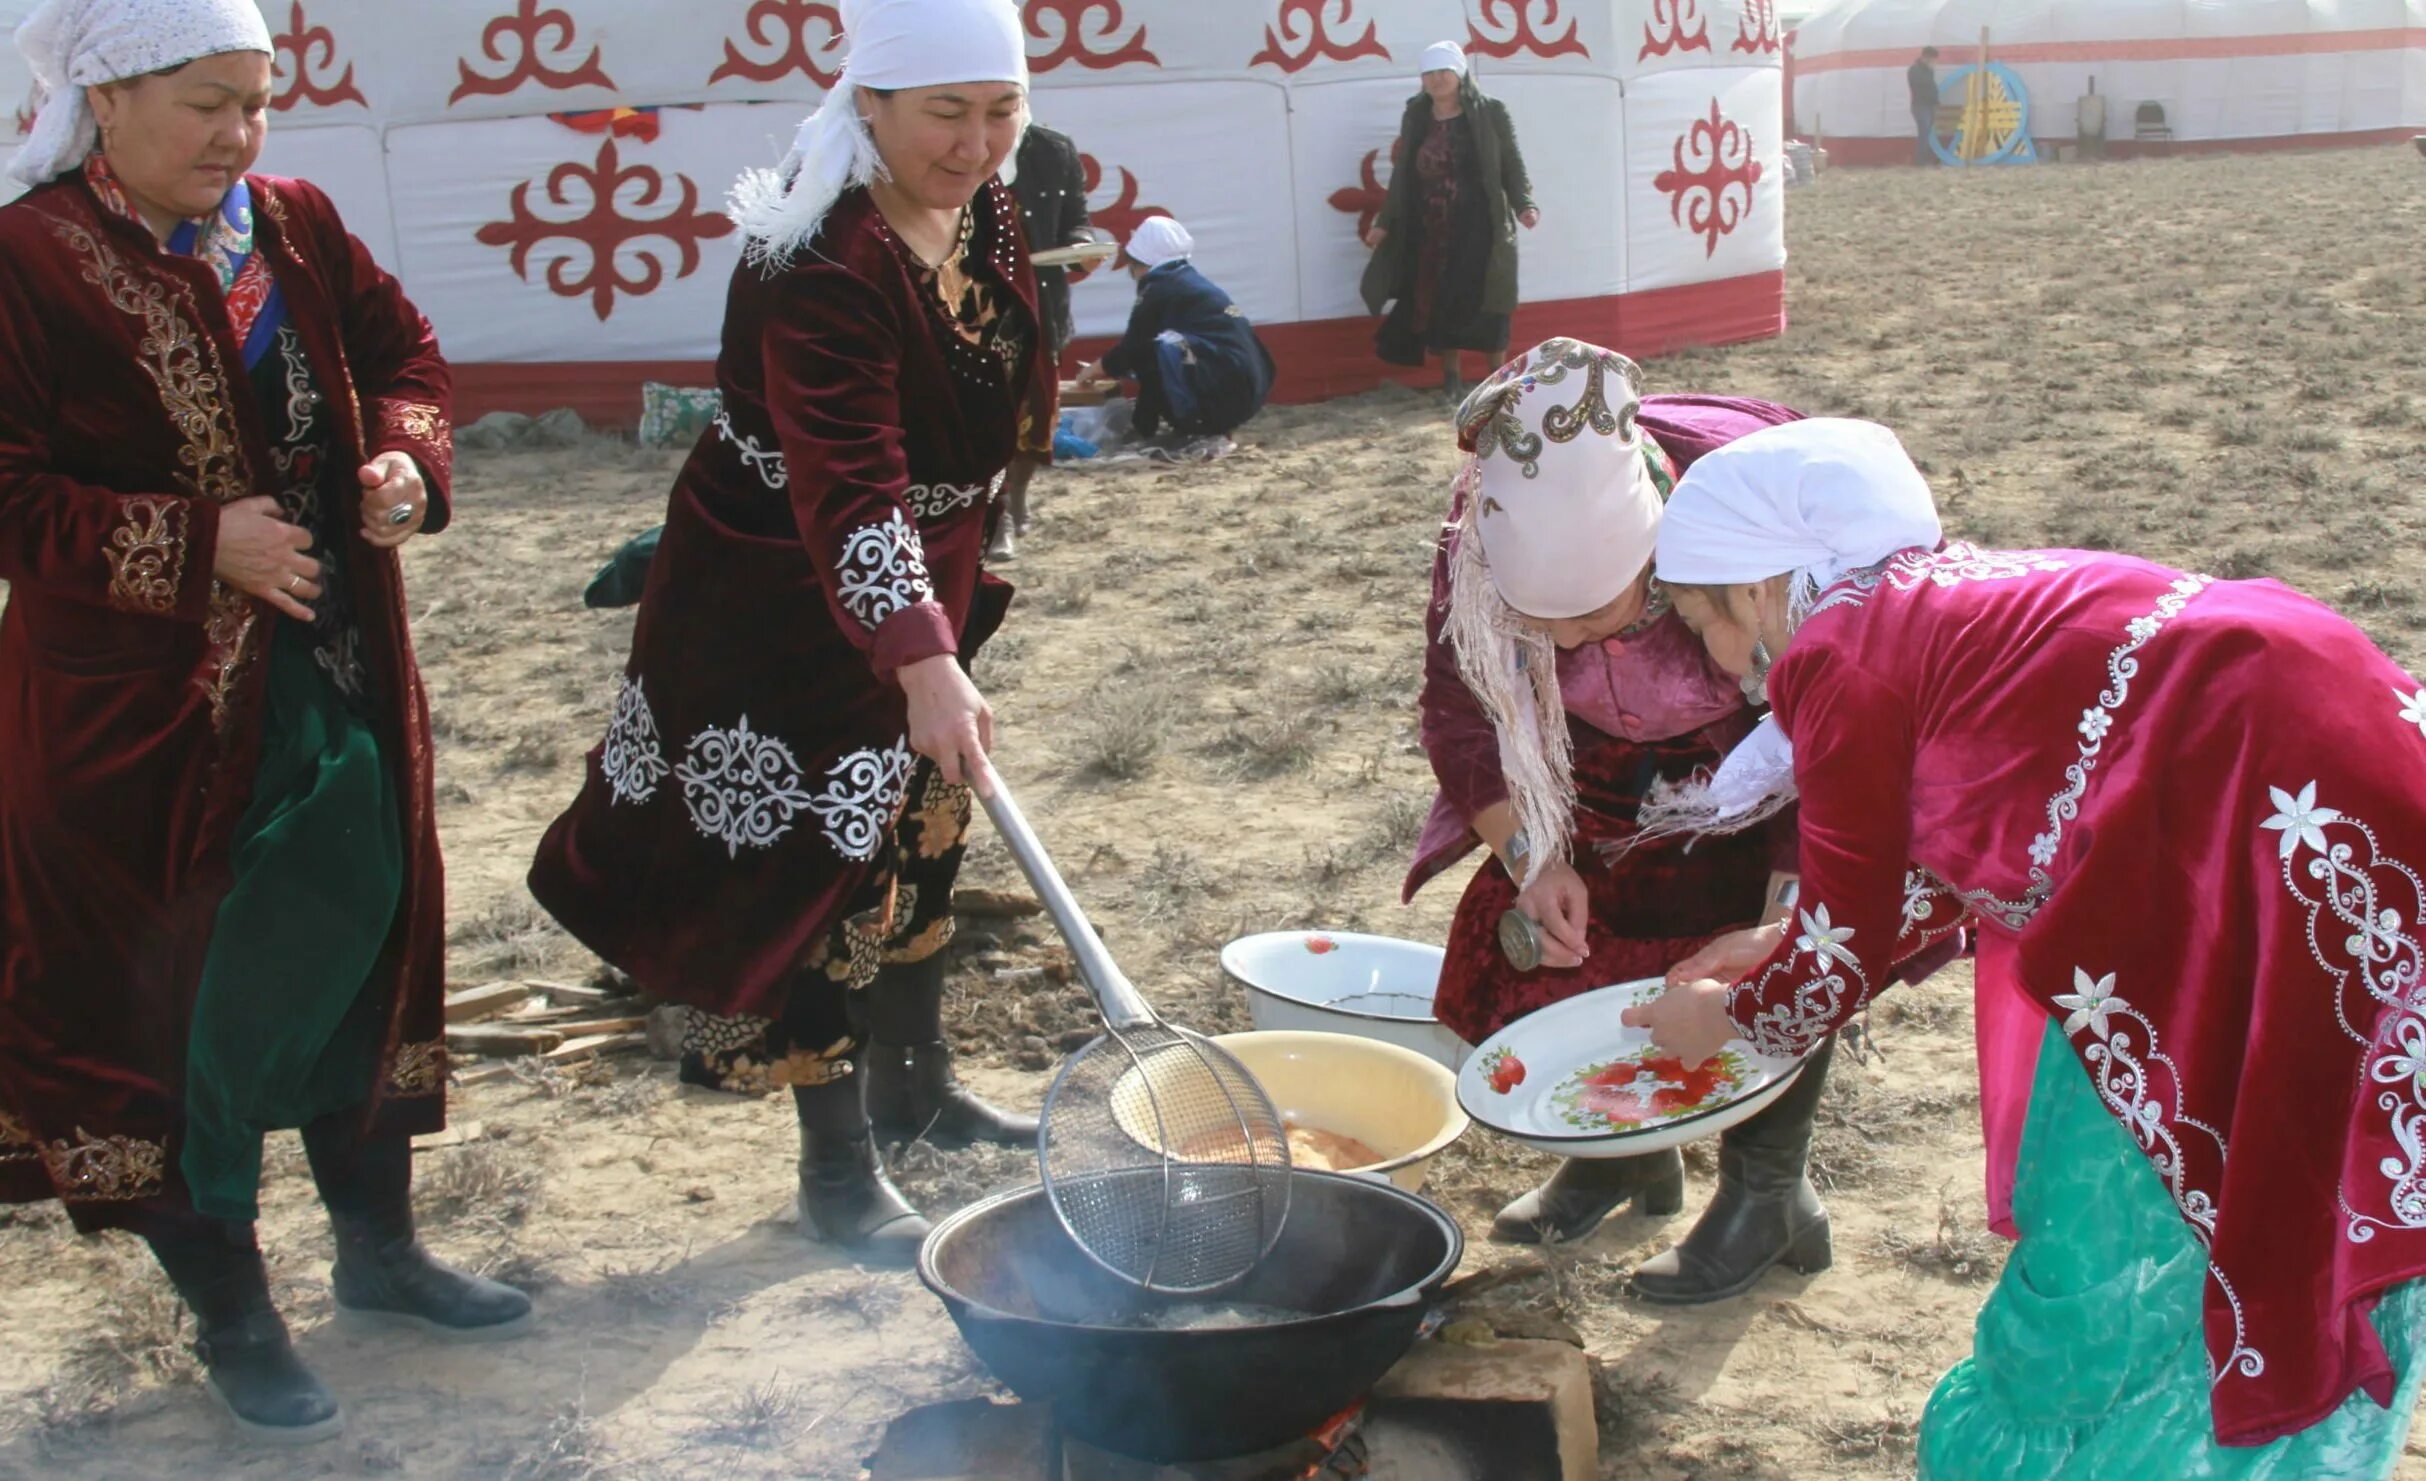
{"x": 1003, "y": 904}
{"x": 484, "y": 1002}
{"x": 592, "y": 1027}
{"x": 594, "y": 1044}
{"x": 501, "y": 1042}
{"x": 462, "y": 1133}
{"x": 573, "y": 993}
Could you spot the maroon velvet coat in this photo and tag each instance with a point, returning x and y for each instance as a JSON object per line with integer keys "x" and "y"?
{"x": 131, "y": 682}
{"x": 826, "y": 531}
{"x": 2194, "y": 814}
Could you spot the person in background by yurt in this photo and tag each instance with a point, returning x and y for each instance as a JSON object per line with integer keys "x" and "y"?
{"x": 1050, "y": 182}
{"x": 1920, "y": 80}
{"x": 219, "y": 419}
{"x": 1200, "y": 369}
{"x": 770, "y": 832}
{"x": 1444, "y": 246}
{"x": 1543, "y": 600}
{"x": 2192, "y": 813}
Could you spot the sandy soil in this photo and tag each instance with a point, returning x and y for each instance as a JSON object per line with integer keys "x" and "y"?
{"x": 1206, "y": 697}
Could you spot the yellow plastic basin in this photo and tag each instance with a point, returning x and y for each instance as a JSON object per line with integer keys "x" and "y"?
{"x": 1394, "y": 1100}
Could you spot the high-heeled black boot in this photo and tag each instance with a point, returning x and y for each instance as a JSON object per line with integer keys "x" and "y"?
{"x": 846, "y": 1198}
{"x": 1585, "y": 1190}
{"x": 248, "y": 1362}
{"x": 383, "y": 1276}
{"x": 912, "y": 1091}
{"x": 1765, "y": 1212}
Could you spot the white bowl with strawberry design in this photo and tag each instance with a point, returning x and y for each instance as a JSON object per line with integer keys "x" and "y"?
{"x": 1345, "y": 982}
{"x": 1572, "y": 1079}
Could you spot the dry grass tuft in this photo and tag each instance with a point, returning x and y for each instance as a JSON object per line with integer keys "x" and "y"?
{"x": 494, "y": 1183}
{"x": 1956, "y": 1251}
{"x": 1274, "y": 743}
{"x": 1122, "y": 730}
{"x": 511, "y": 938}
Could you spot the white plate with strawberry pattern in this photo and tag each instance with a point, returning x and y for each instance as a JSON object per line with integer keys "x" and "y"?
{"x": 1572, "y": 1079}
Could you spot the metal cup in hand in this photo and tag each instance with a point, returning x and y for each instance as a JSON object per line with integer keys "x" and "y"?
{"x": 1520, "y": 940}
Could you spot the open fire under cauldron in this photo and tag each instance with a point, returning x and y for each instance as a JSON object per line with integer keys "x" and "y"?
{"x": 1332, "y": 1308}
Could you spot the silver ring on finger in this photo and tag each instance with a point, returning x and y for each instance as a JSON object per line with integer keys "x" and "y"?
{"x": 294, "y": 583}
{"x": 402, "y": 514}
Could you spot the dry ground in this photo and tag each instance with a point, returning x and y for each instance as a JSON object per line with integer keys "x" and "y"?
{"x": 1207, "y": 702}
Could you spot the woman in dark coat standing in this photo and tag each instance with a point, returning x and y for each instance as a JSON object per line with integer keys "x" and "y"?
{"x": 1444, "y": 245}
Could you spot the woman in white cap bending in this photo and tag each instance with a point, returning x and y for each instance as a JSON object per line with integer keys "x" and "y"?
{"x": 770, "y": 832}
{"x": 223, "y": 910}
{"x": 1544, "y": 606}
{"x": 2188, "y": 818}
{"x": 1444, "y": 245}
{"x": 1199, "y": 367}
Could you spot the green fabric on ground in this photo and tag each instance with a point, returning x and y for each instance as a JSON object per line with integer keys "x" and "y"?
{"x": 283, "y": 1032}
{"x": 2089, "y": 1361}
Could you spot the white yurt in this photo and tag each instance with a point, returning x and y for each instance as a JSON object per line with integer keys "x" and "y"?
{"x": 2173, "y": 74}
{"x": 546, "y": 176}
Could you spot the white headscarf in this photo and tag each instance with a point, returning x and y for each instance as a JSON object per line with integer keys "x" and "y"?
{"x": 1444, "y": 56}
{"x": 894, "y": 45}
{"x": 75, "y": 44}
{"x": 1813, "y": 500}
{"x": 1159, "y": 239}
{"x": 1560, "y": 516}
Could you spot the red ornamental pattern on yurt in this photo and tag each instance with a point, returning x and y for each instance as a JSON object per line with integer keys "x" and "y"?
{"x": 1365, "y": 199}
{"x": 1709, "y": 189}
{"x": 301, "y": 50}
{"x": 25, "y": 122}
{"x": 781, "y": 46}
{"x": 538, "y": 33}
{"x": 1519, "y": 26}
{"x": 595, "y": 264}
{"x": 1674, "y": 26}
{"x": 1756, "y": 28}
{"x": 1121, "y": 214}
{"x": 1086, "y": 33}
{"x": 1303, "y": 32}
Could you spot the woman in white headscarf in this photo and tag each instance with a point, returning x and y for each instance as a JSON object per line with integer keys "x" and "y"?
{"x": 770, "y": 831}
{"x": 1200, "y": 368}
{"x": 219, "y": 418}
{"x": 2186, "y": 818}
{"x": 1444, "y": 246}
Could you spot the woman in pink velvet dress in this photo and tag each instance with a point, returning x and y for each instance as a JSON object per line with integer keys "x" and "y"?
{"x": 2192, "y": 816}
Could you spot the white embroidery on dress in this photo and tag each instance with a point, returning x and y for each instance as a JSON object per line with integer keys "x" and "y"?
{"x": 2122, "y": 666}
{"x": 1790, "y": 1029}
{"x": 1926, "y": 897}
{"x": 742, "y": 788}
{"x": 934, "y": 501}
{"x": 2126, "y": 1080}
{"x": 767, "y": 463}
{"x": 883, "y": 570}
{"x": 2413, "y": 708}
{"x": 2364, "y": 925}
{"x": 633, "y": 760}
{"x": 863, "y": 795}
{"x": 1952, "y": 566}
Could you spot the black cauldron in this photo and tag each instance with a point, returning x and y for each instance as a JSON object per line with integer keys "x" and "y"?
{"x": 1362, "y": 1258}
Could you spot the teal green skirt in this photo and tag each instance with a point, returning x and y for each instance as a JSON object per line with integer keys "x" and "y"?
{"x": 2090, "y": 1360}
{"x": 283, "y": 1032}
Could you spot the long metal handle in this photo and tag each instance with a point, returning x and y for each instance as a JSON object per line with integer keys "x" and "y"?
{"x": 1122, "y": 1006}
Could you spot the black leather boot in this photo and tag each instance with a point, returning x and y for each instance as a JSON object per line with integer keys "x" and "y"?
{"x": 383, "y": 1277}
{"x": 1585, "y": 1191}
{"x": 1765, "y": 1213}
{"x": 911, "y": 1089}
{"x": 846, "y": 1198}
{"x": 249, "y": 1364}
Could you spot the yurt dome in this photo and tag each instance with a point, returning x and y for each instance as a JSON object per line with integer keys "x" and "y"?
{"x": 2224, "y": 73}
{"x": 547, "y": 177}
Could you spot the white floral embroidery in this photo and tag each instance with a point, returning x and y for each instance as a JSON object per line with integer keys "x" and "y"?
{"x": 884, "y": 570}
{"x": 2413, "y": 708}
{"x": 633, "y": 759}
{"x": 2299, "y": 819}
{"x": 743, "y": 789}
{"x": 1957, "y": 563}
{"x": 2142, "y": 1086}
{"x": 767, "y": 463}
{"x": 934, "y": 501}
{"x": 2122, "y": 667}
{"x": 1926, "y": 898}
{"x": 1820, "y": 1001}
{"x": 862, "y": 797}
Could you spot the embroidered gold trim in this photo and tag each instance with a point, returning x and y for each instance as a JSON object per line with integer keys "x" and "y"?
{"x": 924, "y": 945}
{"x": 420, "y": 1069}
{"x": 105, "y": 1169}
{"x": 147, "y": 556}
{"x": 417, "y": 421}
{"x": 184, "y": 367}
{"x": 17, "y": 1140}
